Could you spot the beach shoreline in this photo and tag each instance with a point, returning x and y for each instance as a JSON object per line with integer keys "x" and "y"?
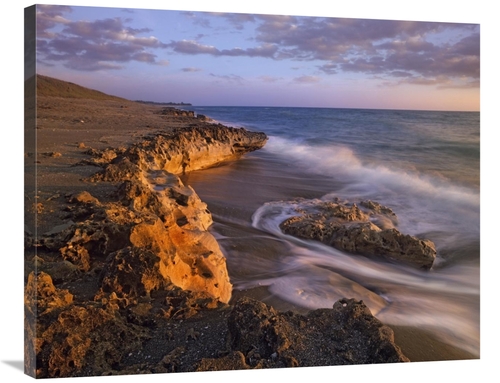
{"x": 417, "y": 344}
{"x": 67, "y": 130}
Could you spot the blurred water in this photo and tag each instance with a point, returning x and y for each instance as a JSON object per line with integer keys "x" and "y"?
{"x": 423, "y": 165}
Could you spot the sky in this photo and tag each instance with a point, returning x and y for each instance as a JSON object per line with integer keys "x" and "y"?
{"x": 258, "y": 59}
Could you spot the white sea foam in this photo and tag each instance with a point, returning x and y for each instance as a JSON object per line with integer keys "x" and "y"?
{"x": 340, "y": 161}
{"x": 423, "y": 202}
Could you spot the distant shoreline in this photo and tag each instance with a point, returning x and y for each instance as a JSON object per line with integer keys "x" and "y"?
{"x": 163, "y": 103}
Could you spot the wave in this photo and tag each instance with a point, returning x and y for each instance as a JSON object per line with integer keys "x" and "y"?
{"x": 314, "y": 275}
{"x": 425, "y": 202}
{"x": 340, "y": 161}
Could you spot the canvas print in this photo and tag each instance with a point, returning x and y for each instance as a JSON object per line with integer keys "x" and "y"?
{"x": 225, "y": 191}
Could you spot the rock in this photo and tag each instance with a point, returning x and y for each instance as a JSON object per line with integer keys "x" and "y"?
{"x": 52, "y": 154}
{"x": 193, "y": 148}
{"x": 83, "y": 197}
{"x": 190, "y": 259}
{"x": 119, "y": 169}
{"x": 130, "y": 273}
{"x": 346, "y": 334}
{"x": 167, "y": 217}
{"x": 235, "y": 360}
{"x": 368, "y": 239}
{"x": 183, "y": 304}
{"x": 204, "y": 118}
{"x": 58, "y": 229}
{"x": 173, "y": 112}
{"x": 42, "y": 300}
{"x": 170, "y": 219}
{"x": 168, "y": 226}
{"x": 41, "y": 296}
{"x": 59, "y": 271}
{"x": 348, "y": 228}
{"x": 85, "y": 338}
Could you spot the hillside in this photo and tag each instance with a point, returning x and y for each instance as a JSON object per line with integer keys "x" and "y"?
{"x": 51, "y": 87}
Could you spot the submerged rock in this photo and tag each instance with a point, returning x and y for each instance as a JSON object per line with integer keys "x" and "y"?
{"x": 369, "y": 230}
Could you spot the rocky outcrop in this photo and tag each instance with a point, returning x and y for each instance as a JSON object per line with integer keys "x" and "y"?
{"x": 198, "y": 147}
{"x": 42, "y": 301}
{"x": 346, "y": 334}
{"x": 157, "y": 225}
{"x": 147, "y": 243}
{"x": 107, "y": 339}
{"x": 368, "y": 229}
{"x": 174, "y": 112}
{"x": 146, "y": 240}
{"x": 69, "y": 338}
{"x": 176, "y": 151}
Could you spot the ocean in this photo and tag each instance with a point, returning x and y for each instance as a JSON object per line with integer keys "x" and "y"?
{"x": 424, "y": 165}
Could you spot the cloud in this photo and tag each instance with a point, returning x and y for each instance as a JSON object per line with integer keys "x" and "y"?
{"x": 375, "y": 46}
{"x": 392, "y": 50}
{"x": 162, "y": 62}
{"x": 48, "y": 16}
{"x": 197, "y": 19}
{"x": 238, "y": 20}
{"x": 306, "y": 79}
{"x": 229, "y": 78}
{"x": 193, "y": 47}
{"x": 111, "y": 29}
{"x": 382, "y": 47}
{"x": 270, "y": 79}
{"x": 440, "y": 82}
{"x": 331, "y": 68}
{"x": 191, "y": 69}
{"x": 92, "y": 45}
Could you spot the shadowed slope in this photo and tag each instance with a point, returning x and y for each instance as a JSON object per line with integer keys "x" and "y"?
{"x": 48, "y": 86}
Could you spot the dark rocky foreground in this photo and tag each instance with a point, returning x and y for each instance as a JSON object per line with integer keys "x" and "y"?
{"x": 175, "y": 331}
{"x": 125, "y": 276}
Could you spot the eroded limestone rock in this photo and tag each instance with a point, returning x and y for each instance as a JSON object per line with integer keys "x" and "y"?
{"x": 196, "y": 147}
{"x": 42, "y": 297}
{"x": 42, "y": 300}
{"x": 154, "y": 212}
{"x": 367, "y": 229}
{"x": 167, "y": 226}
{"x": 86, "y": 337}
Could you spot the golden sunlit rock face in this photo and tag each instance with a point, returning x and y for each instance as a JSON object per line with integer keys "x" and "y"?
{"x": 153, "y": 211}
